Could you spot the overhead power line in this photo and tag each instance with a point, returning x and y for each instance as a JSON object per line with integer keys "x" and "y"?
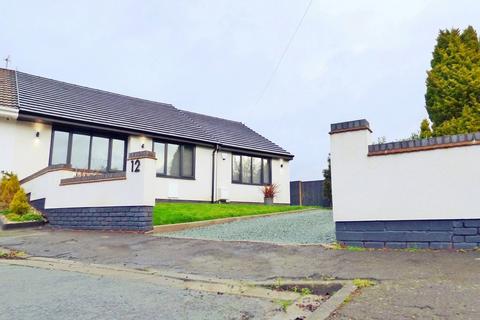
{"x": 282, "y": 56}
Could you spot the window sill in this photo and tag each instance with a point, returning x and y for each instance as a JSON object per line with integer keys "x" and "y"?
{"x": 251, "y": 184}
{"x": 174, "y": 177}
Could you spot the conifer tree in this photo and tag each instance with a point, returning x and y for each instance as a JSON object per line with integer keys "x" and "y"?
{"x": 327, "y": 183}
{"x": 453, "y": 83}
{"x": 425, "y": 131}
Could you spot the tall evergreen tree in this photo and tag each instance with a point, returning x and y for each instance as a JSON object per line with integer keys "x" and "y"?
{"x": 327, "y": 182}
{"x": 453, "y": 83}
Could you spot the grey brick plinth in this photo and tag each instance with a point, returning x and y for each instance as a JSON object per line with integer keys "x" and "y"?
{"x": 128, "y": 218}
{"x": 421, "y": 234}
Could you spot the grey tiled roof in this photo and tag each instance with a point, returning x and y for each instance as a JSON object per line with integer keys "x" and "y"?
{"x": 59, "y": 99}
{"x": 52, "y": 98}
{"x": 234, "y": 134}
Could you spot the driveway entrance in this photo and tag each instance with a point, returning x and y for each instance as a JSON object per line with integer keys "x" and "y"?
{"x": 311, "y": 227}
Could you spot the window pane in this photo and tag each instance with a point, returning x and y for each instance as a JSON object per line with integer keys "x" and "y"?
{"x": 118, "y": 155}
{"x": 246, "y": 169}
{"x": 173, "y": 159}
{"x": 187, "y": 161}
{"x": 159, "y": 149}
{"x": 236, "y": 168}
{"x": 80, "y": 151}
{"x": 256, "y": 170}
{"x": 99, "y": 157}
{"x": 266, "y": 171}
{"x": 60, "y": 147}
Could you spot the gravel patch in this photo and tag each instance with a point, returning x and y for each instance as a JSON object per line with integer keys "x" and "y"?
{"x": 311, "y": 227}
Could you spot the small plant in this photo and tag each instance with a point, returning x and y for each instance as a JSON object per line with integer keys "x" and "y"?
{"x": 270, "y": 191}
{"x": 19, "y": 204}
{"x": 284, "y": 304}
{"x": 347, "y": 299}
{"x": 363, "y": 283}
{"x": 306, "y": 292}
{"x": 12, "y": 254}
{"x": 278, "y": 283}
{"x": 339, "y": 246}
{"x": 355, "y": 249}
{"x": 30, "y": 216}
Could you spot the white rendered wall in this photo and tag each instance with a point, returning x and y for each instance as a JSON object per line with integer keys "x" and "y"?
{"x": 199, "y": 189}
{"x": 251, "y": 193}
{"x": 422, "y": 185}
{"x": 23, "y": 153}
{"x": 135, "y": 144}
{"x": 20, "y": 150}
{"x": 136, "y": 190}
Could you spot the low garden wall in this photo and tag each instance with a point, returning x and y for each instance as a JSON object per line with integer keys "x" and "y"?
{"x": 416, "y": 193}
{"x": 111, "y": 201}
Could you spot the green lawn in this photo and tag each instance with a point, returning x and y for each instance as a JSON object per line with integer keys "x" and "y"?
{"x": 168, "y": 213}
{"x": 30, "y": 216}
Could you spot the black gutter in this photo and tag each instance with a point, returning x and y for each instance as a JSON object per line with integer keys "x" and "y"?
{"x": 257, "y": 153}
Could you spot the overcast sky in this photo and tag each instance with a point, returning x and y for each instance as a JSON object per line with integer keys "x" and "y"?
{"x": 349, "y": 59}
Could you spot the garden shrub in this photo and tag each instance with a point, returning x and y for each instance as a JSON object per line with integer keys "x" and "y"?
{"x": 19, "y": 203}
{"x": 3, "y": 183}
{"x": 9, "y": 188}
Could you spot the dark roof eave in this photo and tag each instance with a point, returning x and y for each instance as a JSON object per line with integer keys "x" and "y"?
{"x": 256, "y": 152}
{"x": 36, "y": 117}
{"x": 32, "y": 116}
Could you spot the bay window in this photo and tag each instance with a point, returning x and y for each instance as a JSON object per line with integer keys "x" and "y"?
{"x": 174, "y": 160}
{"x": 251, "y": 170}
{"x": 88, "y": 151}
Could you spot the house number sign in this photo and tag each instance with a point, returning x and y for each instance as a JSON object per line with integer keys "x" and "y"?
{"x": 135, "y": 165}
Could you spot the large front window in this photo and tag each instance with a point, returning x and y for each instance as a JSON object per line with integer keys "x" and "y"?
{"x": 251, "y": 170}
{"x": 174, "y": 160}
{"x": 87, "y": 151}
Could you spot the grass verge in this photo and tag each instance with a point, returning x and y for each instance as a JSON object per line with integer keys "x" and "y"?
{"x": 169, "y": 213}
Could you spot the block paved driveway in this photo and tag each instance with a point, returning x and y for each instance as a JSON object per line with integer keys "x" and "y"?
{"x": 411, "y": 285}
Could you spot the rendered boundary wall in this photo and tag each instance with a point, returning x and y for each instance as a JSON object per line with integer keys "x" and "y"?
{"x": 415, "y": 193}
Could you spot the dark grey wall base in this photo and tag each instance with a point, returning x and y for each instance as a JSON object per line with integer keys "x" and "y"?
{"x": 433, "y": 234}
{"x": 38, "y": 204}
{"x": 130, "y": 218}
{"x": 20, "y": 225}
